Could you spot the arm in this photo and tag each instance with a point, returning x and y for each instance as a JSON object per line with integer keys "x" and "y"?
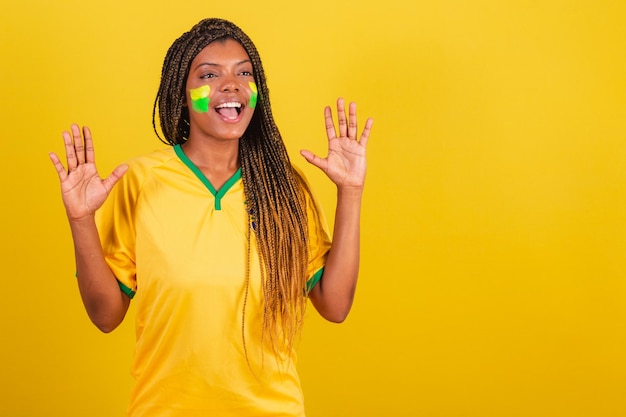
{"x": 345, "y": 165}
{"x": 83, "y": 192}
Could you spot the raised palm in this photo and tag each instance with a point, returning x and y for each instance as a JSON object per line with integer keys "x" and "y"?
{"x": 345, "y": 163}
{"x": 82, "y": 189}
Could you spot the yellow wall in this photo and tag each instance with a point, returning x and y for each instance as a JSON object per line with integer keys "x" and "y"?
{"x": 493, "y": 273}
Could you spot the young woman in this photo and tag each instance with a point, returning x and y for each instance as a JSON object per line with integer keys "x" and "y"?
{"x": 218, "y": 236}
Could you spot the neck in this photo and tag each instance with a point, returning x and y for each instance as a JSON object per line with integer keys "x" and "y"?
{"x": 221, "y": 155}
{"x": 218, "y": 161}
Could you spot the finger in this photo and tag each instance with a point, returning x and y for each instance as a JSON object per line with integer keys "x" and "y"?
{"x": 366, "y": 131}
{"x": 341, "y": 118}
{"x": 70, "y": 152}
{"x": 58, "y": 166}
{"x": 330, "y": 125}
{"x": 79, "y": 146}
{"x": 352, "y": 122}
{"x": 89, "y": 151}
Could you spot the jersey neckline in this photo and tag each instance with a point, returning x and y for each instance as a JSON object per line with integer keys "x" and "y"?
{"x": 218, "y": 194}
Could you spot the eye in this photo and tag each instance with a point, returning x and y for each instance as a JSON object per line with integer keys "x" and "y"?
{"x": 209, "y": 75}
{"x": 246, "y": 73}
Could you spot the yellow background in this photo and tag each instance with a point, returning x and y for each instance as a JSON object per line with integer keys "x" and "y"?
{"x": 493, "y": 271}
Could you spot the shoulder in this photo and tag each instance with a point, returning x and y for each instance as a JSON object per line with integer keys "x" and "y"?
{"x": 301, "y": 178}
{"x": 141, "y": 167}
{"x": 312, "y": 203}
{"x": 150, "y": 160}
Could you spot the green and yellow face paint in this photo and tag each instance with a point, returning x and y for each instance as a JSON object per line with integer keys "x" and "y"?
{"x": 254, "y": 95}
{"x": 200, "y": 98}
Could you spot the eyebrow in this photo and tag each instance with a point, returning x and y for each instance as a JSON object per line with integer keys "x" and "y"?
{"x": 211, "y": 64}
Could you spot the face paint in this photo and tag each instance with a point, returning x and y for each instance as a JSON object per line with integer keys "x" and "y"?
{"x": 200, "y": 98}
{"x": 253, "y": 96}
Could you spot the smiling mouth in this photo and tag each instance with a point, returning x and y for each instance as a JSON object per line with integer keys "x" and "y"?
{"x": 229, "y": 110}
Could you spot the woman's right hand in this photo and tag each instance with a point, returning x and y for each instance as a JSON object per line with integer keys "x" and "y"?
{"x": 82, "y": 189}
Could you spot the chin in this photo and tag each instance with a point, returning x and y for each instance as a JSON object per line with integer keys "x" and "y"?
{"x": 231, "y": 136}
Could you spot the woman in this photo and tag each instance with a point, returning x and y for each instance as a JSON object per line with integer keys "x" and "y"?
{"x": 219, "y": 236}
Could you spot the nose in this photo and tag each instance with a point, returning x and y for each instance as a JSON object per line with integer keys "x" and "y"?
{"x": 229, "y": 84}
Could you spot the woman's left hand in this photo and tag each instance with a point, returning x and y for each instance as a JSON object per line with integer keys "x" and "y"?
{"x": 345, "y": 164}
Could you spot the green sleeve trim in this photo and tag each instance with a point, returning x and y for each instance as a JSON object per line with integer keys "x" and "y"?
{"x": 310, "y": 284}
{"x": 130, "y": 293}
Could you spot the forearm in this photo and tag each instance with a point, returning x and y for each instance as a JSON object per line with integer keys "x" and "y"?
{"x": 334, "y": 294}
{"x": 105, "y": 303}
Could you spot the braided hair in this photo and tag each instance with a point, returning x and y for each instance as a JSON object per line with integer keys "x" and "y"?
{"x": 275, "y": 193}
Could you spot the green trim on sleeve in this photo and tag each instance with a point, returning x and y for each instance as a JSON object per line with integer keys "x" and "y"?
{"x": 310, "y": 284}
{"x": 130, "y": 293}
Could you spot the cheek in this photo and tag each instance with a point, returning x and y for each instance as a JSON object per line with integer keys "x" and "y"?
{"x": 200, "y": 98}
{"x": 254, "y": 94}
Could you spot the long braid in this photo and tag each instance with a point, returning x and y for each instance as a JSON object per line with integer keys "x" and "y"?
{"x": 275, "y": 193}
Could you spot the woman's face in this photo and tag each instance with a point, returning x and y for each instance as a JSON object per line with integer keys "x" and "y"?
{"x": 220, "y": 90}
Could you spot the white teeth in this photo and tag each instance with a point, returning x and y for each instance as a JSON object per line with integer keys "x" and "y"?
{"x": 233, "y": 104}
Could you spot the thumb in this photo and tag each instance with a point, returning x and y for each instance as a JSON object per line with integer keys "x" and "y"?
{"x": 115, "y": 176}
{"x": 313, "y": 159}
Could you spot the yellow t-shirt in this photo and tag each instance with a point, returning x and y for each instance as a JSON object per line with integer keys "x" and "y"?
{"x": 181, "y": 247}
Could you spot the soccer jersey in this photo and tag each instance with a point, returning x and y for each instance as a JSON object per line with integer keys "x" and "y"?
{"x": 181, "y": 247}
